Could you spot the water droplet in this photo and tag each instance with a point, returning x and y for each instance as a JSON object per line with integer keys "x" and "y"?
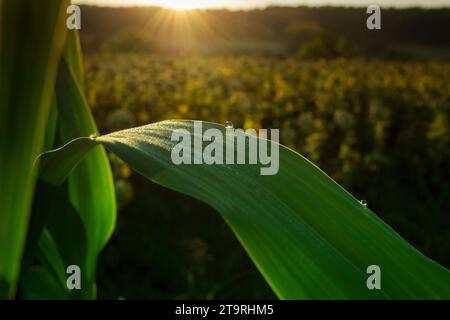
{"x": 363, "y": 202}
{"x": 229, "y": 125}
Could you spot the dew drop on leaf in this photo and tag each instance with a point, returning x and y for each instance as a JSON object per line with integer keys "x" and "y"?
{"x": 229, "y": 125}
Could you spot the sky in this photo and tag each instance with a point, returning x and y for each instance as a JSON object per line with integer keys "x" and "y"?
{"x": 248, "y": 4}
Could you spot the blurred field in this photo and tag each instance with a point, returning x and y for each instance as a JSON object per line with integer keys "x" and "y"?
{"x": 371, "y": 109}
{"x": 380, "y": 128}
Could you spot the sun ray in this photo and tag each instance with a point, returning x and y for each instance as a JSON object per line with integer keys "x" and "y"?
{"x": 182, "y": 5}
{"x": 183, "y": 31}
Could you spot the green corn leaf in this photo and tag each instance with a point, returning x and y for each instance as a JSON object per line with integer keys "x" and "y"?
{"x": 56, "y": 169}
{"x": 32, "y": 38}
{"x": 44, "y": 200}
{"x": 45, "y": 205}
{"x": 51, "y": 260}
{"x": 308, "y": 236}
{"x": 83, "y": 216}
{"x": 73, "y": 57}
{"x": 91, "y": 189}
{"x": 52, "y": 123}
{"x": 53, "y": 267}
{"x": 57, "y": 239}
{"x": 42, "y": 286}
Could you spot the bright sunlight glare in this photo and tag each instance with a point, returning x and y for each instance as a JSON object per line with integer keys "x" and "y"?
{"x": 183, "y": 4}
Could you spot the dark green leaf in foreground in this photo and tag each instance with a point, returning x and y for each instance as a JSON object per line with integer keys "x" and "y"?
{"x": 41, "y": 286}
{"x": 309, "y": 237}
{"x": 31, "y": 40}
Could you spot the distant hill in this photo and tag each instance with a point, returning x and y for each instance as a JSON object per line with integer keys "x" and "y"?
{"x": 312, "y": 32}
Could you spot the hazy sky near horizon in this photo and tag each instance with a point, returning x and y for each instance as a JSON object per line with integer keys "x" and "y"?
{"x": 248, "y": 4}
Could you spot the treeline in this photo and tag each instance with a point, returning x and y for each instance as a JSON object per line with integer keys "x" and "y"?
{"x": 309, "y": 32}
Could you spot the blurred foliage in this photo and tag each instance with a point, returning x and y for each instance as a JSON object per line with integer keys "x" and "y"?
{"x": 324, "y": 45}
{"x": 128, "y": 41}
{"x": 379, "y": 128}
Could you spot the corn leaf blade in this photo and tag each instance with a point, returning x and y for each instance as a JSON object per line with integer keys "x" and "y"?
{"x": 91, "y": 189}
{"x": 308, "y": 236}
{"x": 32, "y": 38}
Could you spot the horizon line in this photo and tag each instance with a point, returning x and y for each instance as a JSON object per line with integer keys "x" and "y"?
{"x": 344, "y": 4}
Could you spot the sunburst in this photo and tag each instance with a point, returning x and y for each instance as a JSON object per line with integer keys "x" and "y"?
{"x": 182, "y": 5}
